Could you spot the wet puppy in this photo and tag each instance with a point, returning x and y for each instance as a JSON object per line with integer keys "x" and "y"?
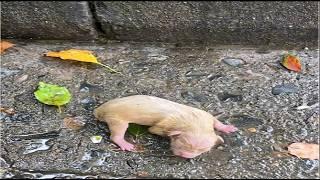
{"x": 191, "y": 130}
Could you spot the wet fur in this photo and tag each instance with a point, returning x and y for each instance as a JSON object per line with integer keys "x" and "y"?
{"x": 191, "y": 130}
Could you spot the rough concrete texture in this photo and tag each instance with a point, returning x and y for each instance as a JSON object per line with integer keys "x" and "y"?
{"x": 279, "y": 23}
{"x": 47, "y": 20}
{"x": 240, "y": 93}
{"x": 256, "y": 23}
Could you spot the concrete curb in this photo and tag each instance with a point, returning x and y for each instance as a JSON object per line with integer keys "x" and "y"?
{"x": 47, "y": 20}
{"x": 209, "y": 22}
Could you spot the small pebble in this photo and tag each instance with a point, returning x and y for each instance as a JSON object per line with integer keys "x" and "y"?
{"x": 85, "y": 89}
{"x": 285, "y": 88}
{"x": 258, "y": 149}
{"x": 253, "y": 130}
{"x": 22, "y": 78}
{"x": 302, "y": 132}
{"x": 88, "y": 102}
{"x": 276, "y": 147}
{"x": 193, "y": 171}
{"x": 212, "y": 77}
{"x": 142, "y": 174}
{"x": 233, "y": 97}
{"x": 269, "y": 129}
{"x": 96, "y": 139}
{"x": 220, "y": 148}
{"x": 236, "y": 62}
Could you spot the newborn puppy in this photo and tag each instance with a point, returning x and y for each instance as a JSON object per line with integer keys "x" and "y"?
{"x": 191, "y": 130}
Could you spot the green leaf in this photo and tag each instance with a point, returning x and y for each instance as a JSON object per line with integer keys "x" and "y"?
{"x": 137, "y": 130}
{"x": 52, "y": 94}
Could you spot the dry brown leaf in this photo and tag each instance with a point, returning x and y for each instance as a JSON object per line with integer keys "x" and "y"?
{"x": 291, "y": 62}
{"x": 9, "y": 111}
{"x": 5, "y": 45}
{"x": 75, "y": 123}
{"x": 304, "y": 150}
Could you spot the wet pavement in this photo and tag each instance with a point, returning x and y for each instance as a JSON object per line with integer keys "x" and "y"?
{"x": 244, "y": 86}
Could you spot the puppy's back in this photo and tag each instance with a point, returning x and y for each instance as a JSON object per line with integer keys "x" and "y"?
{"x": 138, "y": 109}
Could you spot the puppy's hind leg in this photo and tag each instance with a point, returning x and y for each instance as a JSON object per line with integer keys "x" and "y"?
{"x": 223, "y": 127}
{"x": 118, "y": 129}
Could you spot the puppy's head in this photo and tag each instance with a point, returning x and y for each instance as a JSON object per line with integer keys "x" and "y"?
{"x": 190, "y": 145}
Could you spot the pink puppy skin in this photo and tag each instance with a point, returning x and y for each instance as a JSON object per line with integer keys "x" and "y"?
{"x": 190, "y": 130}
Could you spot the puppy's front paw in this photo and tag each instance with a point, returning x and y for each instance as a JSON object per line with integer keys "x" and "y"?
{"x": 228, "y": 129}
{"x": 125, "y": 146}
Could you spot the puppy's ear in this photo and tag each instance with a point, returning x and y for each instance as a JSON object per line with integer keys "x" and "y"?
{"x": 174, "y": 133}
{"x": 219, "y": 140}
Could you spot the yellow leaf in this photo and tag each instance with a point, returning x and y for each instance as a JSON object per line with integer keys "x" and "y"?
{"x": 5, "y": 45}
{"x": 74, "y": 54}
{"x": 304, "y": 150}
{"x": 78, "y": 55}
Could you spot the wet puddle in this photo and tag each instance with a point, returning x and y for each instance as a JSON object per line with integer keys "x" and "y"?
{"x": 35, "y": 175}
{"x": 37, "y": 145}
{"x": 92, "y": 158}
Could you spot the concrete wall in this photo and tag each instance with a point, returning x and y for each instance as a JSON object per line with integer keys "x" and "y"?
{"x": 47, "y": 20}
{"x": 213, "y": 22}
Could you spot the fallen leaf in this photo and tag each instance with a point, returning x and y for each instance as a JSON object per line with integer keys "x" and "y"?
{"x": 75, "y": 123}
{"x": 304, "y": 150}
{"x": 74, "y": 54}
{"x": 52, "y": 94}
{"x": 9, "y": 111}
{"x": 291, "y": 62}
{"x": 253, "y": 130}
{"x": 5, "y": 45}
{"x": 78, "y": 55}
{"x": 137, "y": 130}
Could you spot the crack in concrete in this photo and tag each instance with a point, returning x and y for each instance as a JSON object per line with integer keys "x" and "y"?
{"x": 98, "y": 25}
